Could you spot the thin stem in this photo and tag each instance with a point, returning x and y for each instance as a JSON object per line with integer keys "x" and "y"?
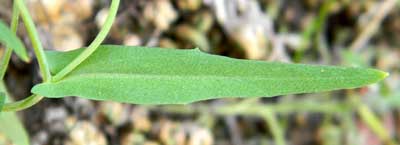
{"x": 15, "y": 18}
{"x": 374, "y": 124}
{"x": 273, "y": 124}
{"x": 33, "y": 99}
{"x": 8, "y": 52}
{"x": 4, "y": 62}
{"x": 94, "y": 45}
{"x": 22, "y": 104}
{"x": 315, "y": 27}
{"x": 33, "y": 35}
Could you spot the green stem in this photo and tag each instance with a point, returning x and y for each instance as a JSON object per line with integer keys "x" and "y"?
{"x": 94, "y": 45}
{"x": 33, "y": 99}
{"x": 8, "y": 52}
{"x": 39, "y": 52}
{"x": 315, "y": 26}
{"x": 246, "y": 107}
{"x": 276, "y": 130}
{"x": 4, "y": 62}
{"x": 15, "y": 18}
{"x": 33, "y": 35}
{"x": 374, "y": 124}
{"x": 22, "y": 104}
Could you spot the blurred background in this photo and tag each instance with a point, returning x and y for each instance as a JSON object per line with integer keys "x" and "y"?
{"x": 360, "y": 33}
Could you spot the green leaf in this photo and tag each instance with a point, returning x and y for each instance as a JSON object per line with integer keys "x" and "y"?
{"x": 11, "y": 127}
{"x": 142, "y": 75}
{"x": 10, "y": 40}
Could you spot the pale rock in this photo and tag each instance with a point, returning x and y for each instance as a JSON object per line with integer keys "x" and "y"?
{"x": 65, "y": 38}
{"x": 132, "y": 40}
{"x": 101, "y": 17}
{"x": 116, "y": 112}
{"x": 85, "y": 133}
{"x": 161, "y": 13}
{"x": 82, "y": 9}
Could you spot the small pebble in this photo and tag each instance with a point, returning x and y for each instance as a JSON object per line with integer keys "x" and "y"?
{"x": 85, "y": 133}
{"x": 161, "y": 13}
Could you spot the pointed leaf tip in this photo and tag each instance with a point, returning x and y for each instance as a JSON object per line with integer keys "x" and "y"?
{"x": 367, "y": 76}
{"x": 384, "y": 74}
{"x": 380, "y": 75}
{"x": 10, "y": 40}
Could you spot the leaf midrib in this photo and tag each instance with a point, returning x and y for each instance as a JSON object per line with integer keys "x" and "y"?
{"x": 133, "y": 75}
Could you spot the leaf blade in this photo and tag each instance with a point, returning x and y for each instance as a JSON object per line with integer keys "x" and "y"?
{"x": 164, "y": 76}
{"x": 11, "y": 126}
{"x": 10, "y": 40}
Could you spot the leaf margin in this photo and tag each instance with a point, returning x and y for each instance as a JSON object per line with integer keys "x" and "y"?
{"x": 375, "y": 75}
{"x": 11, "y": 40}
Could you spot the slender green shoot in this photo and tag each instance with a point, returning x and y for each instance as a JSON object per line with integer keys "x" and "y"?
{"x": 15, "y": 18}
{"x": 94, "y": 45}
{"x": 374, "y": 124}
{"x": 276, "y": 130}
{"x": 33, "y": 99}
{"x": 44, "y": 67}
{"x": 23, "y": 104}
{"x": 315, "y": 26}
{"x": 4, "y": 62}
{"x": 7, "y": 55}
{"x": 33, "y": 35}
{"x": 8, "y": 51}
